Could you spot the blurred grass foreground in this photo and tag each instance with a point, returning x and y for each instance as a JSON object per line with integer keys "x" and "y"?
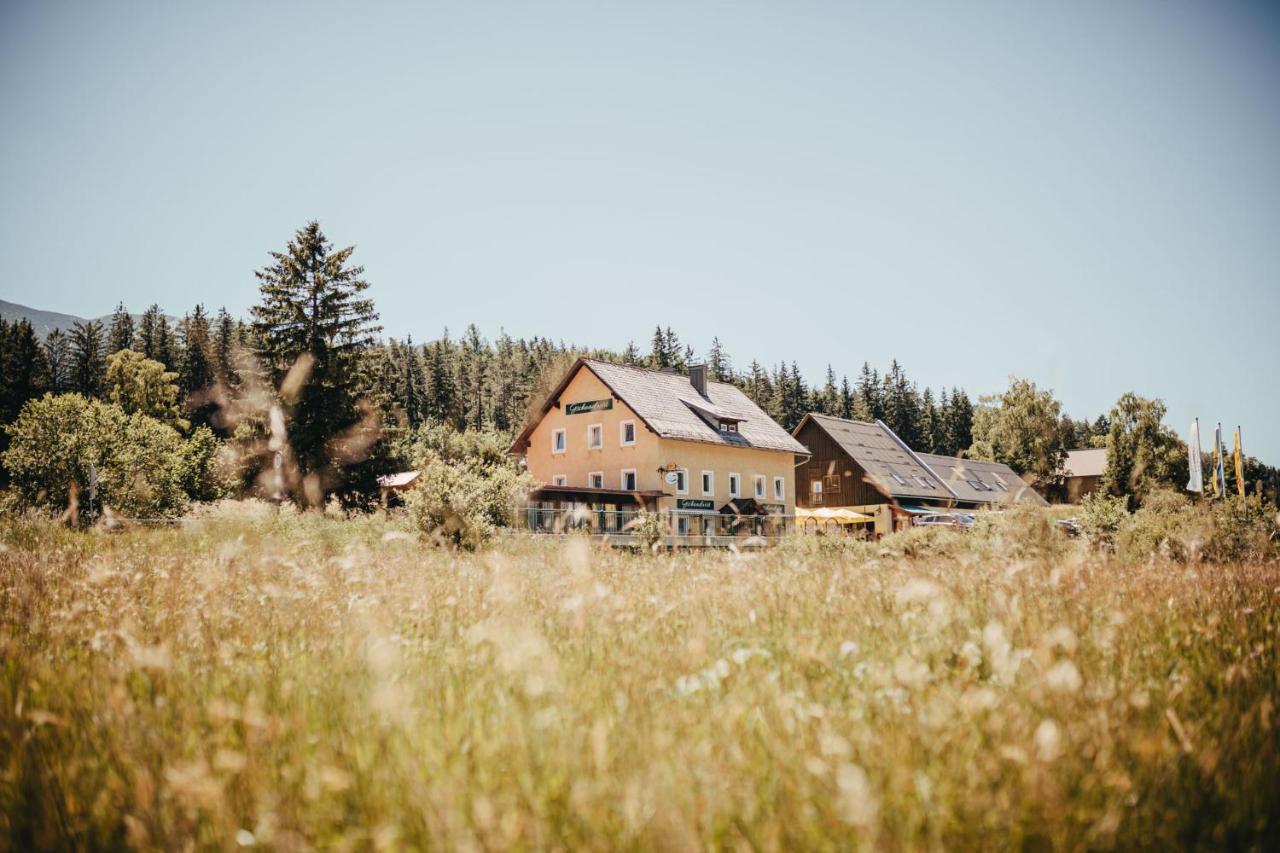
{"x": 262, "y": 677}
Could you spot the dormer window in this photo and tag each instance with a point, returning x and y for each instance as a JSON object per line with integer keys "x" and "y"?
{"x": 728, "y": 426}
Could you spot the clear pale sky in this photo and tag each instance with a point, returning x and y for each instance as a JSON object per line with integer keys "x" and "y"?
{"x": 1086, "y": 194}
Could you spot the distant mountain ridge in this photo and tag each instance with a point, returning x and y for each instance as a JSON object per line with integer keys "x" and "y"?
{"x": 44, "y": 322}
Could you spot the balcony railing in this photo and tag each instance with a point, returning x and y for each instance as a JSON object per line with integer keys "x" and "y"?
{"x": 690, "y": 529}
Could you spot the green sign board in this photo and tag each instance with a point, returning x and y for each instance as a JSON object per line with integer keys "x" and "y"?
{"x": 695, "y": 503}
{"x": 588, "y": 406}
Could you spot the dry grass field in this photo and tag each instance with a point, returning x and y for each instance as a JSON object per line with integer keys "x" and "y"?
{"x": 288, "y": 682}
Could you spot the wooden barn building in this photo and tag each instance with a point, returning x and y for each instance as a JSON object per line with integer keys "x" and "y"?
{"x": 869, "y": 469}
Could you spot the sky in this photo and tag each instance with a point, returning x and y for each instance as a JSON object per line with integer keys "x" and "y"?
{"x": 1084, "y": 194}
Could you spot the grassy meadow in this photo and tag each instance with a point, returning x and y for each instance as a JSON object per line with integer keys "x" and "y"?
{"x": 263, "y": 678}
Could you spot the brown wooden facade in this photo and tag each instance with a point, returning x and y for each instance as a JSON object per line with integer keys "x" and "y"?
{"x": 844, "y": 482}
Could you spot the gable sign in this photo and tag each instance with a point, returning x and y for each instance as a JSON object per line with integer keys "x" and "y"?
{"x": 588, "y": 406}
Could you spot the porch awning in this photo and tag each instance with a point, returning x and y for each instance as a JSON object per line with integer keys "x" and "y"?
{"x": 587, "y": 495}
{"x": 920, "y": 510}
{"x": 839, "y": 516}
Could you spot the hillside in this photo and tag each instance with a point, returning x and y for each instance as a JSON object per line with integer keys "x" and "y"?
{"x": 45, "y": 322}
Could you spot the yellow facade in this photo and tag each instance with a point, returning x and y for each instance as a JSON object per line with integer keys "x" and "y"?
{"x": 649, "y": 456}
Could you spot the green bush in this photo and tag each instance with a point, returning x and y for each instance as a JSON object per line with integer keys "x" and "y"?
{"x": 1018, "y": 531}
{"x": 205, "y": 476}
{"x": 1241, "y": 530}
{"x": 1167, "y": 525}
{"x": 137, "y": 459}
{"x": 1101, "y": 518}
{"x": 463, "y": 502}
{"x": 649, "y": 528}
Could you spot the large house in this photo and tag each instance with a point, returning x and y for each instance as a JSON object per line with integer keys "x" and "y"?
{"x": 612, "y": 439}
{"x": 867, "y": 468}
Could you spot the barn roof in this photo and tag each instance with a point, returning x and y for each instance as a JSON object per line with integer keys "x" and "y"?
{"x": 979, "y": 481}
{"x": 892, "y": 467}
{"x": 1086, "y": 462}
{"x": 897, "y": 471}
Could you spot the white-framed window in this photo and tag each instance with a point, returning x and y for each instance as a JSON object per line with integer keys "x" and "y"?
{"x": 627, "y": 433}
{"x": 559, "y": 441}
{"x": 682, "y": 481}
{"x": 595, "y": 480}
{"x": 735, "y": 486}
{"x": 595, "y": 436}
{"x": 779, "y": 488}
{"x": 708, "y": 483}
{"x": 559, "y": 480}
{"x": 759, "y": 483}
{"x": 628, "y": 479}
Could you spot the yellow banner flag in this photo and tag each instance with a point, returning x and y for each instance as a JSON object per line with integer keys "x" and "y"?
{"x": 1239, "y": 465}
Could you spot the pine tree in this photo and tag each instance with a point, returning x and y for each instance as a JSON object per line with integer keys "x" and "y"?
{"x": 472, "y": 373}
{"x": 23, "y": 374}
{"x": 312, "y": 312}
{"x": 631, "y": 355}
{"x": 719, "y": 366}
{"x": 120, "y": 334}
{"x": 166, "y": 344}
{"x": 442, "y": 403}
{"x": 411, "y": 383}
{"x": 867, "y": 404}
{"x": 224, "y": 350}
{"x": 57, "y": 358}
{"x": 154, "y": 339}
{"x": 828, "y": 401}
{"x": 758, "y": 387}
{"x": 659, "y": 355}
{"x": 675, "y": 356}
{"x": 928, "y": 428}
{"x": 503, "y": 381}
{"x": 196, "y": 369}
{"x": 846, "y": 398}
{"x": 959, "y": 425}
{"x": 88, "y": 357}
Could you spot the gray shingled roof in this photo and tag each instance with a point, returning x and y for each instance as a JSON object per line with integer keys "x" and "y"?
{"x": 891, "y": 468}
{"x": 663, "y": 401}
{"x": 997, "y": 482}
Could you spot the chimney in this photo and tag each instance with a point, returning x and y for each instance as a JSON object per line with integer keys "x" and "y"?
{"x": 698, "y": 378}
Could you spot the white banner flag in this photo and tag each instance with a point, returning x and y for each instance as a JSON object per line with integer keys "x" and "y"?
{"x": 1196, "y": 483}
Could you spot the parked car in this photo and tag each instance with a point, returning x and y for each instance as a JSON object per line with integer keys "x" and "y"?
{"x": 959, "y": 521}
{"x": 1069, "y": 526}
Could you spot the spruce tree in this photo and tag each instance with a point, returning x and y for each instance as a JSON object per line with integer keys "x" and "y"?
{"x": 719, "y": 366}
{"x": 829, "y": 399}
{"x": 846, "y": 398}
{"x": 57, "y": 359}
{"x": 411, "y": 383}
{"x": 224, "y": 349}
{"x": 148, "y": 338}
{"x": 928, "y": 427}
{"x": 196, "y": 369}
{"x": 659, "y": 355}
{"x": 120, "y": 333}
{"x": 868, "y": 404}
{"x": 313, "y": 315}
{"x": 88, "y": 357}
{"x": 23, "y": 374}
